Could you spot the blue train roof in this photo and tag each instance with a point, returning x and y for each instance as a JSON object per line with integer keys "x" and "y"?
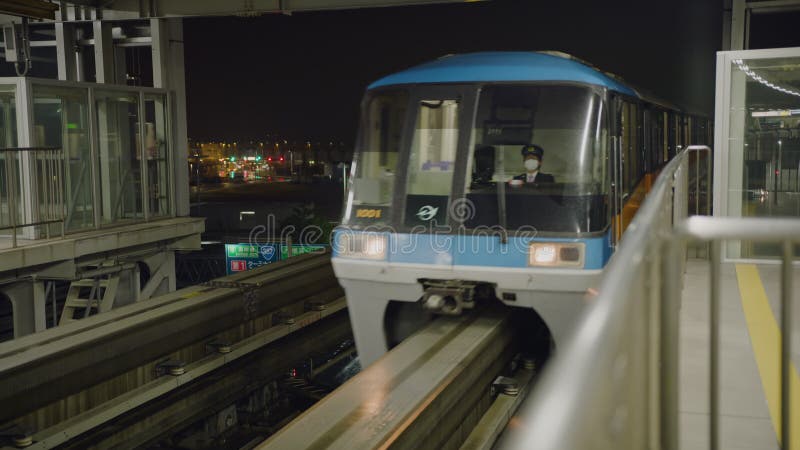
{"x": 503, "y": 66}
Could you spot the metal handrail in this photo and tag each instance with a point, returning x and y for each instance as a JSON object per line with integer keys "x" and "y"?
{"x": 38, "y": 173}
{"x": 27, "y": 149}
{"x": 716, "y": 231}
{"x": 614, "y": 385}
{"x": 600, "y": 389}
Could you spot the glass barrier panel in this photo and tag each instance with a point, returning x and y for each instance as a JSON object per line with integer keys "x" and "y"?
{"x": 8, "y": 139}
{"x": 119, "y": 164}
{"x": 764, "y": 145}
{"x": 60, "y": 119}
{"x": 156, "y": 154}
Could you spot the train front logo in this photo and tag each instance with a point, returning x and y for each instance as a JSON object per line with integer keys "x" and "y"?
{"x": 427, "y": 212}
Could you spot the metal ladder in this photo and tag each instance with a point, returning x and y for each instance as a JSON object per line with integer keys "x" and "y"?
{"x": 101, "y": 297}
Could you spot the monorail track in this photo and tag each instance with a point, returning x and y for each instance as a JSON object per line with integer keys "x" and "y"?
{"x": 205, "y": 388}
{"x": 429, "y": 392}
{"x": 135, "y": 376}
{"x": 81, "y": 377}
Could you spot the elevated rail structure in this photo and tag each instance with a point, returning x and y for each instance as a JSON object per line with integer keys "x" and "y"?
{"x": 429, "y": 392}
{"x": 73, "y": 379}
{"x": 117, "y": 190}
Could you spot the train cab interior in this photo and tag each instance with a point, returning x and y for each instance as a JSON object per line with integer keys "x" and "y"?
{"x": 565, "y": 123}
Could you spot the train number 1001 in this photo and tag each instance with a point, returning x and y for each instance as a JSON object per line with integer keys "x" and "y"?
{"x": 368, "y": 213}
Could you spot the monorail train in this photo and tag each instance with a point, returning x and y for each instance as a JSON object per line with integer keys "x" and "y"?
{"x": 446, "y": 206}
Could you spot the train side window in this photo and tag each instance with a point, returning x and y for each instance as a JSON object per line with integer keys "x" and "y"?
{"x": 636, "y": 146}
{"x": 629, "y": 159}
{"x": 632, "y": 146}
{"x": 647, "y": 138}
{"x": 432, "y": 160}
{"x": 656, "y": 154}
{"x": 624, "y": 135}
{"x": 672, "y": 135}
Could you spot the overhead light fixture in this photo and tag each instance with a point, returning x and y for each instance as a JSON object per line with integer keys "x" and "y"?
{"x": 776, "y": 113}
{"x": 35, "y": 9}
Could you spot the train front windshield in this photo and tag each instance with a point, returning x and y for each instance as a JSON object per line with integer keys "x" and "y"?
{"x": 443, "y": 168}
{"x": 567, "y": 191}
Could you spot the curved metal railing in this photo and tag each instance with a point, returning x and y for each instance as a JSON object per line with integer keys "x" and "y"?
{"x": 614, "y": 384}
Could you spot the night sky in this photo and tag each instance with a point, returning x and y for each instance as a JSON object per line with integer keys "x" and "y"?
{"x": 302, "y": 76}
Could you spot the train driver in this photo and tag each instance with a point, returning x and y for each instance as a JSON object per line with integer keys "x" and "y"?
{"x": 532, "y": 158}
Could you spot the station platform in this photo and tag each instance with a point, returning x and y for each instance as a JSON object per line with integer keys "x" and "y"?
{"x": 749, "y": 357}
{"x": 179, "y": 232}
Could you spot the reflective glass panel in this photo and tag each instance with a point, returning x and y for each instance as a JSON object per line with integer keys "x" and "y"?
{"x": 764, "y": 145}
{"x": 432, "y": 161}
{"x": 119, "y": 155}
{"x": 60, "y": 119}
{"x": 8, "y": 162}
{"x": 370, "y": 198}
{"x": 156, "y": 154}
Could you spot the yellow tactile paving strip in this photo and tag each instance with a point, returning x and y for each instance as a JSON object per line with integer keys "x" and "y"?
{"x": 765, "y": 336}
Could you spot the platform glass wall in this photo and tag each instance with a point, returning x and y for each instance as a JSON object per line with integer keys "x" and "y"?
{"x": 8, "y": 139}
{"x": 757, "y": 142}
{"x": 61, "y": 119}
{"x": 89, "y": 137}
{"x": 157, "y": 154}
{"x": 119, "y": 156}
{"x": 8, "y": 116}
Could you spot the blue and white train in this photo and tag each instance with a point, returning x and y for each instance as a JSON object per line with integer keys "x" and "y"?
{"x": 443, "y": 211}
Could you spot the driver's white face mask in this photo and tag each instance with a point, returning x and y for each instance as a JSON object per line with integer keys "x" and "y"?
{"x": 531, "y": 164}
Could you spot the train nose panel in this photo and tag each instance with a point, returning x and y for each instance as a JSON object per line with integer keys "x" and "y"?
{"x": 488, "y": 250}
{"x": 416, "y": 248}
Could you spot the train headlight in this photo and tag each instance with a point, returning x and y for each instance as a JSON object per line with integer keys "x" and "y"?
{"x": 363, "y": 245}
{"x": 556, "y": 254}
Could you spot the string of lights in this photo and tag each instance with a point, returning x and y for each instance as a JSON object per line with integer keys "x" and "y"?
{"x": 750, "y": 73}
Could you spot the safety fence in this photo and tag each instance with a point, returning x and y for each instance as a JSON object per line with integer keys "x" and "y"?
{"x": 32, "y": 203}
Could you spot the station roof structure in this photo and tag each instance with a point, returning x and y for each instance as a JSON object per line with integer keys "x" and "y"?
{"x": 138, "y": 9}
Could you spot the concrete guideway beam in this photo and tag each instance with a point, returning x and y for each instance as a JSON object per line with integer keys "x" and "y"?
{"x": 39, "y": 369}
{"x": 196, "y": 405}
{"x": 416, "y": 396}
